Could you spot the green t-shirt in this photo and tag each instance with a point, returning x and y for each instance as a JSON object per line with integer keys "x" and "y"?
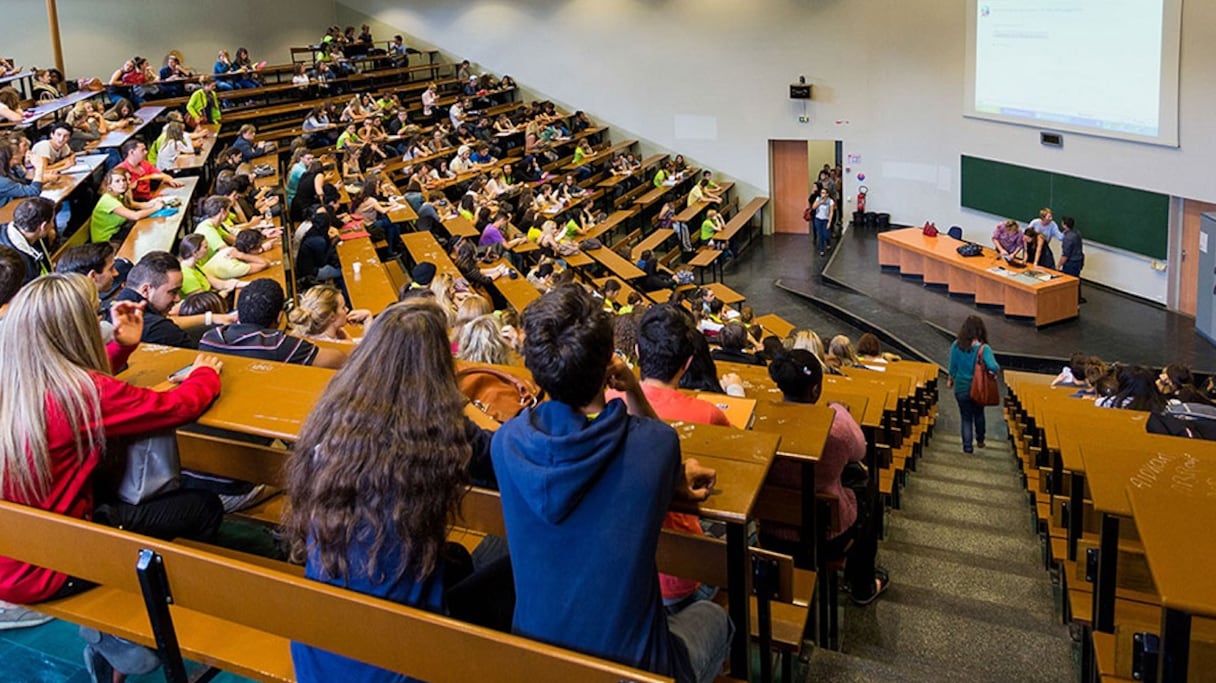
{"x": 571, "y": 229}
{"x": 660, "y": 178}
{"x": 213, "y": 235}
{"x": 579, "y": 155}
{"x": 347, "y": 138}
{"x": 224, "y": 267}
{"x": 105, "y": 223}
{"x": 193, "y": 280}
{"x": 534, "y": 234}
{"x": 154, "y": 150}
{"x": 708, "y": 229}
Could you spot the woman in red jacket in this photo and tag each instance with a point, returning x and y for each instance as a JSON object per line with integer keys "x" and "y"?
{"x": 61, "y": 403}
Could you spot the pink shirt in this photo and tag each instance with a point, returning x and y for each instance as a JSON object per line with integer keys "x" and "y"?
{"x": 846, "y": 443}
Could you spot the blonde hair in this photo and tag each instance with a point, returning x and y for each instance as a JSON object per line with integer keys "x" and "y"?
{"x": 842, "y": 349}
{"x": 472, "y": 307}
{"x": 175, "y": 132}
{"x": 316, "y": 311}
{"x": 441, "y": 287}
{"x": 52, "y": 342}
{"x": 806, "y": 340}
{"x": 1043, "y": 213}
{"x": 480, "y": 341}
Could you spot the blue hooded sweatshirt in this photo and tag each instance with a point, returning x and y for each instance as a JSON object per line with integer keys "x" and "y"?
{"x": 583, "y": 501}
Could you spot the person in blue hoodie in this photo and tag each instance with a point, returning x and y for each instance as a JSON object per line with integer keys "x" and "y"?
{"x": 585, "y": 485}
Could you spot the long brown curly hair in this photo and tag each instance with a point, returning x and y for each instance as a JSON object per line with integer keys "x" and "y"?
{"x": 382, "y": 457}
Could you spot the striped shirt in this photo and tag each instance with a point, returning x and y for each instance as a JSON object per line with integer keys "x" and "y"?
{"x": 252, "y": 341}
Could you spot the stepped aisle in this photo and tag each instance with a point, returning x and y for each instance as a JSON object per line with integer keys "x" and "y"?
{"x": 970, "y": 600}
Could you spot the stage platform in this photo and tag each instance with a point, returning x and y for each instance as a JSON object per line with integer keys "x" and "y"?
{"x": 922, "y": 320}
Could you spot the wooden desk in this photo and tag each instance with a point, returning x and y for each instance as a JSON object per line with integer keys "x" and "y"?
{"x": 35, "y": 114}
{"x": 202, "y": 150}
{"x": 117, "y": 137}
{"x": 58, "y": 190}
{"x": 370, "y": 288}
{"x": 459, "y": 226}
{"x": 1110, "y": 469}
{"x": 270, "y": 159}
{"x": 516, "y": 290}
{"x": 159, "y": 234}
{"x": 936, "y": 260}
{"x": 616, "y": 264}
{"x": 1175, "y": 518}
{"x": 775, "y": 324}
{"x": 423, "y": 246}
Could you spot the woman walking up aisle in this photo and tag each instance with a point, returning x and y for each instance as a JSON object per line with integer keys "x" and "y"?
{"x": 972, "y": 340}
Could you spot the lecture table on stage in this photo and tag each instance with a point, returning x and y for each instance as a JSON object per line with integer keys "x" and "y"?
{"x": 741, "y": 458}
{"x": 986, "y": 277}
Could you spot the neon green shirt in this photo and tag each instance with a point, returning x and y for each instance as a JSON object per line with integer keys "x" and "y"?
{"x": 193, "y": 280}
{"x": 105, "y": 223}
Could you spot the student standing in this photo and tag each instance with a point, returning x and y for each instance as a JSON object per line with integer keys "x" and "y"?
{"x": 1046, "y": 226}
{"x": 972, "y": 340}
{"x": 823, "y": 212}
{"x": 1072, "y": 252}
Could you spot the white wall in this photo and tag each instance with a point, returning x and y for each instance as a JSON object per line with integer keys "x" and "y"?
{"x": 888, "y": 78}
{"x": 99, "y": 35}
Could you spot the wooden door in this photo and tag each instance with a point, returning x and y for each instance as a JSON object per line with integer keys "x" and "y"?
{"x": 1188, "y": 273}
{"x": 791, "y": 182}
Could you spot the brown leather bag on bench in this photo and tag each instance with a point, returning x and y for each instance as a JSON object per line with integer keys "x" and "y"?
{"x": 498, "y": 394}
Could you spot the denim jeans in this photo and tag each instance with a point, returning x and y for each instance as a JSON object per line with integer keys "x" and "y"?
{"x": 823, "y": 237}
{"x": 705, "y": 631}
{"x": 969, "y": 414}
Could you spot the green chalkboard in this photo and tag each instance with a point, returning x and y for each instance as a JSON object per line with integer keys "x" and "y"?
{"x": 1117, "y": 216}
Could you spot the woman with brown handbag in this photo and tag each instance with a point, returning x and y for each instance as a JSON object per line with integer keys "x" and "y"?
{"x": 969, "y": 352}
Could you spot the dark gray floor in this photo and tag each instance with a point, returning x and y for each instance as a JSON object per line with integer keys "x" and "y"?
{"x": 1112, "y": 325}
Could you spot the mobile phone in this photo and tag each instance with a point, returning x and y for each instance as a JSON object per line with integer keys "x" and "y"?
{"x": 181, "y": 375}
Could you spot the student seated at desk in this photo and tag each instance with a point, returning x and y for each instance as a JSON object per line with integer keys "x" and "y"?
{"x": 481, "y": 340}
{"x": 1136, "y": 390}
{"x": 12, "y": 279}
{"x": 389, "y": 541}
{"x": 55, "y": 148}
{"x": 250, "y": 148}
{"x": 192, "y": 251}
{"x": 13, "y": 182}
{"x": 172, "y": 143}
{"x": 841, "y": 353}
{"x": 142, "y": 173}
{"x": 734, "y": 342}
{"x": 856, "y": 513}
{"x": 116, "y": 210}
{"x": 51, "y": 455}
{"x": 323, "y": 314}
{"x": 256, "y": 333}
{"x": 576, "y": 470}
{"x": 96, "y": 262}
{"x": 88, "y": 124}
{"x": 317, "y": 258}
{"x": 665, "y": 351}
{"x": 870, "y": 353}
{"x": 10, "y": 105}
{"x": 32, "y": 225}
{"x": 156, "y": 282}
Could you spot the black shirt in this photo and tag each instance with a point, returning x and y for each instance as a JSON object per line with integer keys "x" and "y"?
{"x": 157, "y": 328}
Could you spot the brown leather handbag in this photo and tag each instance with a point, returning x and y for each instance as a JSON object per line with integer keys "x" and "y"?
{"x": 984, "y": 390}
{"x": 498, "y": 394}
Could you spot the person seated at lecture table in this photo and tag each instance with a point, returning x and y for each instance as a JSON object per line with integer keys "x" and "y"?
{"x": 143, "y": 174}
{"x": 12, "y": 279}
{"x": 256, "y": 334}
{"x": 322, "y": 314}
{"x": 190, "y": 253}
{"x": 96, "y": 262}
{"x": 246, "y": 142}
{"x": 1046, "y": 227}
{"x": 665, "y": 349}
{"x": 173, "y": 70}
{"x": 156, "y": 282}
{"x": 55, "y": 148}
{"x": 10, "y": 105}
{"x": 55, "y": 433}
{"x": 33, "y": 222}
{"x": 855, "y": 516}
{"x": 389, "y": 541}
{"x": 734, "y": 344}
{"x": 577, "y": 470}
{"x": 116, "y": 211}
{"x": 13, "y": 182}
{"x": 1008, "y": 241}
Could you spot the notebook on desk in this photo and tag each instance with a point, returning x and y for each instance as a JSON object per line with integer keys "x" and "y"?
{"x": 740, "y": 411}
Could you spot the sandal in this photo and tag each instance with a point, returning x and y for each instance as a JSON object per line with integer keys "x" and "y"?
{"x": 882, "y": 583}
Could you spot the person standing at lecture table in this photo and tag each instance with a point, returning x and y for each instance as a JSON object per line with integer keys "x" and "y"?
{"x": 1007, "y": 238}
{"x": 1072, "y": 253}
{"x": 972, "y": 340}
{"x": 1046, "y": 226}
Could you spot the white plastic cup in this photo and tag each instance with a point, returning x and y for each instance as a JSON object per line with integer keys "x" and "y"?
{"x": 357, "y": 266}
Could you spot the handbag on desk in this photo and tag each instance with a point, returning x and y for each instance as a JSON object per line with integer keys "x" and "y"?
{"x": 984, "y": 390}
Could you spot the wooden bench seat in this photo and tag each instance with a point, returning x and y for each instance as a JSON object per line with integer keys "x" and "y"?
{"x": 651, "y": 242}
{"x": 247, "y": 626}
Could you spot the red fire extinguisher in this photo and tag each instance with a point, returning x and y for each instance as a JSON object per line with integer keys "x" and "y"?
{"x": 861, "y": 198}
